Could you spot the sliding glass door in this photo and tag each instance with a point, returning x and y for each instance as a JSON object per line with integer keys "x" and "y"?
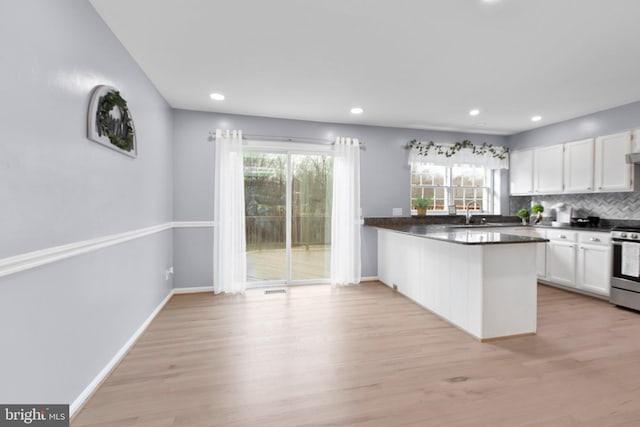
{"x": 288, "y": 217}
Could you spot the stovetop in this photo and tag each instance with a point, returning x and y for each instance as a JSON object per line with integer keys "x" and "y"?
{"x": 626, "y": 233}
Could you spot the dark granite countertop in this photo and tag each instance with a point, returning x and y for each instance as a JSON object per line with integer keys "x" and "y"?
{"x": 488, "y": 221}
{"x": 461, "y": 235}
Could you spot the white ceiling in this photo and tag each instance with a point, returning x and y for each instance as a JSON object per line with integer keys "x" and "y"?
{"x": 408, "y": 63}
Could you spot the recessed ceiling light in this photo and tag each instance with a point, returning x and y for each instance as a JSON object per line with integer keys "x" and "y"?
{"x": 357, "y": 110}
{"x": 474, "y": 112}
{"x": 217, "y": 96}
{"x": 536, "y": 118}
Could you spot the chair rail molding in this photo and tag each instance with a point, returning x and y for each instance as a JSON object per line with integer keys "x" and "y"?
{"x": 193, "y": 224}
{"x": 26, "y": 261}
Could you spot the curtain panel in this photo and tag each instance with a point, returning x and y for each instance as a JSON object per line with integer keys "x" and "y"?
{"x": 345, "y": 215}
{"x": 229, "y": 244}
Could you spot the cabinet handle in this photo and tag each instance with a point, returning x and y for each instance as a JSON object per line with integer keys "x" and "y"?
{"x": 599, "y": 188}
{"x": 588, "y": 188}
{"x": 594, "y": 239}
{"x": 562, "y": 236}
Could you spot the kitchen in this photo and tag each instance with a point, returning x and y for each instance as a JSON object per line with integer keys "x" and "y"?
{"x": 480, "y": 71}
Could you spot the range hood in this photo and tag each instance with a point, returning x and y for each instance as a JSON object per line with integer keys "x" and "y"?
{"x": 633, "y": 158}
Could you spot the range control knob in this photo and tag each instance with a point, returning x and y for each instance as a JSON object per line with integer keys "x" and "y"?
{"x": 634, "y": 236}
{"x": 623, "y": 235}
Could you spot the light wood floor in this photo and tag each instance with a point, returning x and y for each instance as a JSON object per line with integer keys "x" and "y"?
{"x": 320, "y": 356}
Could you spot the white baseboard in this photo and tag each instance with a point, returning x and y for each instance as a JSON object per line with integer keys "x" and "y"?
{"x": 369, "y": 279}
{"x": 77, "y": 404}
{"x": 193, "y": 290}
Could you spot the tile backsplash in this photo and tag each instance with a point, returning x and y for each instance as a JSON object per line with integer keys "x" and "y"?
{"x": 624, "y": 205}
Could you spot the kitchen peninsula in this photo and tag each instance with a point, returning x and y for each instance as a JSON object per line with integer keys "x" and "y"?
{"x": 477, "y": 278}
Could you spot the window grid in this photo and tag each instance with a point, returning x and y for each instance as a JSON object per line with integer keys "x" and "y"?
{"x": 459, "y": 187}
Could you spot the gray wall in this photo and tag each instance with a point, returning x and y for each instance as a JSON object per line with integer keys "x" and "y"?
{"x": 606, "y": 205}
{"x": 385, "y": 177}
{"x": 62, "y": 322}
{"x": 597, "y": 124}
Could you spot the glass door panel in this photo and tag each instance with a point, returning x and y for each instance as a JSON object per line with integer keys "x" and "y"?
{"x": 265, "y": 190}
{"x": 311, "y": 196}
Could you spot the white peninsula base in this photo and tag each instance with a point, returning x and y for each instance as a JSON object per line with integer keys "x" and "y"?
{"x": 487, "y": 290}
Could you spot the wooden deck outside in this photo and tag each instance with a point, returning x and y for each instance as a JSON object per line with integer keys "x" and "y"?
{"x": 307, "y": 262}
{"x": 365, "y": 355}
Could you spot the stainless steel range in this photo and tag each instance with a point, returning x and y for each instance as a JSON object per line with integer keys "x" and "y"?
{"x": 625, "y": 272}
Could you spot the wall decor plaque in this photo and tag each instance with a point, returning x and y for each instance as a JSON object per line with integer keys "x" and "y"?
{"x": 110, "y": 122}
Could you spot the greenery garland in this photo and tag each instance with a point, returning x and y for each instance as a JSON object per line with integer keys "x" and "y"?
{"x": 423, "y": 148}
{"x": 120, "y": 131}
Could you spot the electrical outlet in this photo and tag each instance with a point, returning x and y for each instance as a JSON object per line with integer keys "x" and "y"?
{"x": 395, "y": 287}
{"x": 397, "y": 211}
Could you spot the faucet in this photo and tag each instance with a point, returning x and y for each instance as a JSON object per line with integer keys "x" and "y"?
{"x": 468, "y": 214}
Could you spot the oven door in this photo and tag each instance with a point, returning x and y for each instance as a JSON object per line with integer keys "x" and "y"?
{"x": 619, "y": 280}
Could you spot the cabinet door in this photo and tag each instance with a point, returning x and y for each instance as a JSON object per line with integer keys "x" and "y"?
{"x": 578, "y": 166}
{"x": 521, "y": 172}
{"x": 541, "y": 260}
{"x": 561, "y": 263}
{"x": 548, "y": 169}
{"x": 612, "y": 173}
{"x": 594, "y": 268}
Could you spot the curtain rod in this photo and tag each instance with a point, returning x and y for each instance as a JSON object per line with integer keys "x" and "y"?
{"x": 212, "y": 136}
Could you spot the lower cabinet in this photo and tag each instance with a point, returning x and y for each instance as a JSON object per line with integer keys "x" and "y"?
{"x": 561, "y": 263}
{"x": 541, "y": 248}
{"x": 594, "y": 268}
{"x": 577, "y": 259}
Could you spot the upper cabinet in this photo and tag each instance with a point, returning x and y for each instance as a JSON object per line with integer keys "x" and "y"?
{"x": 520, "y": 176}
{"x": 583, "y": 166}
{"x": 578, "y": 166}
{"x": 612, "y": 173}
{"x": 547, "y": 169}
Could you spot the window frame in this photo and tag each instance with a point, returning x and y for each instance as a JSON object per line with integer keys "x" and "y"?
{"x": 449, "y": 191}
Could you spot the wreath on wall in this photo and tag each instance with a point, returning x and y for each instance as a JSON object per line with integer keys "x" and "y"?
{"x": 423, "y": 148}
{"x": 119, "y": 130}
{"x": 110, "y": 122}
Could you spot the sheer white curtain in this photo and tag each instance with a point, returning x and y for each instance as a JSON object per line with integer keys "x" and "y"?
{"x": 229, "y": 246}
{"x": 345, "y": 215}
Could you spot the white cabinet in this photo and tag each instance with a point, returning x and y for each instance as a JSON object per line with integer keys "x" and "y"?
{"x": 548, "y": 169}
{"x": 594, "y": 262}
{"x": 584, "y": 166}
{"x": 578, "y": 166}
{"x": 541, "y": 248}
{"x": 561, "y": 257}
{"x": 612, "y": 173}
{"x": 521, "y": 172}
{"x": 541, "y": 255}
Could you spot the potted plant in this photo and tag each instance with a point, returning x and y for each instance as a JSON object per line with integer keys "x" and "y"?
{"x": 537, "y": 209}
{"x": 523, "y": 214}
{"x": 421, "y": 204}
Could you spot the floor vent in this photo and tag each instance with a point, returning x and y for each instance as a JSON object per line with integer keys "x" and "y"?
{"x": 275, "y": 291}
